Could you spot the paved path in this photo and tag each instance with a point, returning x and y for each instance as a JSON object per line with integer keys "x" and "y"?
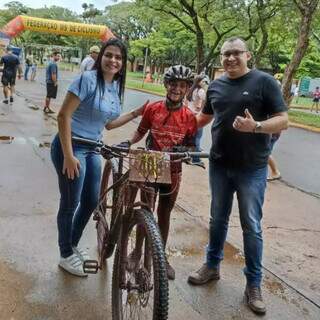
{"x": 32, "y": 286}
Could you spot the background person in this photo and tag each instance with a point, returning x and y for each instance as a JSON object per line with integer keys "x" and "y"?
{"x": 92, "y": 103}
{"x": 11, "y": 65}
{"x": 247, "y": 106}
{"x": 196, "y": 98}
{"x": 88, "y": 62}
{"x": 28, "y": 65}
{"x": 33, "y": 70}
{"x": 316, "y": 99}
{"x": 51, "y": 81}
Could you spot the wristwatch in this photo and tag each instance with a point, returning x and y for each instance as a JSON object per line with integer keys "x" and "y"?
{"x": 258, "y": 127}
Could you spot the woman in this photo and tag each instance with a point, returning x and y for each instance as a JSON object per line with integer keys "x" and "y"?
{"x": 196, "y": 99}
{"x": 92, "y": 103}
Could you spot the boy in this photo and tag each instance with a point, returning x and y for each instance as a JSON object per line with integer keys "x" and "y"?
{"x": 170, "y": 124}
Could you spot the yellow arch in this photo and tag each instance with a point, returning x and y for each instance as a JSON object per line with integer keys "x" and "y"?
{"x": 21, "y": 23}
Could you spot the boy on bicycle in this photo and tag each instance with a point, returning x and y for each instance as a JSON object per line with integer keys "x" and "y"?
{"x": 169, "y": 124}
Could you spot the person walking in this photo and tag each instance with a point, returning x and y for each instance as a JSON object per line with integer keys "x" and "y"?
{"x": 11, "y": 65}
{"x": 51, "y": 81}
{"x": 34, "y": 70}
{"x": 92, "y": 103}
{"x": 28, "y": 65}
{"x": 196, "y": 98}
{"x": 316, "y": 99}
{"x": 88, "y": 62}
{"x": 247, "y": 107}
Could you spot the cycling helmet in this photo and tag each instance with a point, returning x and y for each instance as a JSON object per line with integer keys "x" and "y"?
{"x": 178, "y": 72}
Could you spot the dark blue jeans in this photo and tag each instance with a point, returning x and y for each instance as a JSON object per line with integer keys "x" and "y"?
{"x": 26, "y": 71}
{"x": 198, "y": 144}
{"x": 249, "y": 186}
{"x": 79, "y": 197}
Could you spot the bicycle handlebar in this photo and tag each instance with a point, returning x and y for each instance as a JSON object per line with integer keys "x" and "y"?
{"x": 111, "y": 149}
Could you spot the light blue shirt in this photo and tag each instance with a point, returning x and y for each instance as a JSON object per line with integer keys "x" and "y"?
{"x": 94, "y": 112}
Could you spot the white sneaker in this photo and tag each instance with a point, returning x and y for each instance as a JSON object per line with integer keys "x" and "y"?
{"x": 81, "y": 253}
{"x": 73, "y": 265}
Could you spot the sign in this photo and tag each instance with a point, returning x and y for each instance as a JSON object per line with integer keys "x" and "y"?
{"x": 21, "y": 23}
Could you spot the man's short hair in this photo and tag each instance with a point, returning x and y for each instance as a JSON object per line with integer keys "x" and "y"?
{"x": 94, "y": 49}
{"x": 236, "y": 38}
{"x": 54, "y": 53}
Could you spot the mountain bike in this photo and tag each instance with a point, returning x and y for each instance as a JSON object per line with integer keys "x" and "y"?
{"x": 140, "y": 289}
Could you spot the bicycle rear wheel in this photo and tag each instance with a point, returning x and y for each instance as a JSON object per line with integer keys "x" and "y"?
{"x": 141, "y": 292}
{"x": 104, "y": 212}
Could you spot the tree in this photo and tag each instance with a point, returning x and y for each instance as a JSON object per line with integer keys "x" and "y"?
{"x": 307, "y": 10}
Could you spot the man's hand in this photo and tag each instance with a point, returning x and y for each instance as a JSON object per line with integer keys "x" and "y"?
{"x": 245, "y": 124}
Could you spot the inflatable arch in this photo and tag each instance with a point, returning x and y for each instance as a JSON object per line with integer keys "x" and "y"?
{"x": 21, "y": 23}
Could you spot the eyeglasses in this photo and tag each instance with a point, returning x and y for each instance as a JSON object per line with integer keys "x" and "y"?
{"x": 235, "y": 53}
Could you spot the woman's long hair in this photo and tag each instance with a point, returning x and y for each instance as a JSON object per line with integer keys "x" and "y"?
{"x": 121, "y": 75}
{"x": 195, "y": 85}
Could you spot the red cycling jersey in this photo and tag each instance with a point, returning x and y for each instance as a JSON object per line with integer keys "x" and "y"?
{"x": 168, "y": 128}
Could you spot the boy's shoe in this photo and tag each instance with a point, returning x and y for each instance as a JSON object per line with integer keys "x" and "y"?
{"x": 254, "y": 299}
{"x": 81, "y": 253}
{"x": 73, "y": 265}
{"x": 204, "y": 275}
{"x": 170, "y": 271}
{"x": 5, "y": 101}
{"x": 11, "y": 99}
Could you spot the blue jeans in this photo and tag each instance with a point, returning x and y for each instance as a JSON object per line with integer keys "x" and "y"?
{"x": 249, "y": 186}
{"x": 79, "y": 197}
{"x": 198, "y": 143}
{"x": 26, "y": 71}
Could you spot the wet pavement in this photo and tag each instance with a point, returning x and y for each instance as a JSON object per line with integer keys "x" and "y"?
{"x": 32, "y": 286}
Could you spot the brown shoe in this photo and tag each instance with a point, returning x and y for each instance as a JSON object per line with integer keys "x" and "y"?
{"x": 204, "y": 275}
{"x": 170, "y": 271}
{"x": 254, "y": 300}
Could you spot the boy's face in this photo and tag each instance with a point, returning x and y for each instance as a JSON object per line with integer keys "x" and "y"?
{"x": 176, "y": 90}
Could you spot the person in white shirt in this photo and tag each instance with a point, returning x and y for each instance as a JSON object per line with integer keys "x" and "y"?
{"x": 196, "y": 99}
{"x": 88, "y": 62}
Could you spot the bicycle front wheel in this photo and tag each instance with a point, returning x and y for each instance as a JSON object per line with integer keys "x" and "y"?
{"x": 140, "y": 287}
{"x": 104, "y": 212}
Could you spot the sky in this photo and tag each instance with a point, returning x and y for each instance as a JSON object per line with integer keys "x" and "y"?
{"x": 74, "y": 5}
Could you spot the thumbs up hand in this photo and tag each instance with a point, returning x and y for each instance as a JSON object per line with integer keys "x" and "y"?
{"x": 244, "y": 124}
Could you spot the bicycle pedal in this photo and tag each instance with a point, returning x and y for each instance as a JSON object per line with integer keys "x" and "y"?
{"x": 90, "y": 266}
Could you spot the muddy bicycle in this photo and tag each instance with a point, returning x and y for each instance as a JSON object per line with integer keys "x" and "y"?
{"x": 141, "y": 291}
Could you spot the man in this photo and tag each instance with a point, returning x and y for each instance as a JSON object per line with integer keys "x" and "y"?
{"x": 10, "y": 64}
{"x": 52, "y": 81}
{"x": 28, "y": 65}
{"x": 247, "y": 107}
{"x": 89, "y": 61}
{"x": 169, "y": 124}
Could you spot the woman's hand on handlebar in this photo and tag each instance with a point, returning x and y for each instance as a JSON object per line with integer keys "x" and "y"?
{"x": 71, "y": 167}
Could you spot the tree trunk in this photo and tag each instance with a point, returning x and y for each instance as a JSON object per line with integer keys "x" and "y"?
{"x": 200, "y": 52}
{"x": 300, "y": 49}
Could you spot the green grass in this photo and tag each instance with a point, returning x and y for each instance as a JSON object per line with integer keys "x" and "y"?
{"x": 303, "y": 103}
{"x": 134, "y": 75}
{"x": 301, "y": 117}
{"x": 149, "y": 87}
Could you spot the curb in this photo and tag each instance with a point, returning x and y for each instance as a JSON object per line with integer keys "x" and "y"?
{"x": 303, "y": 126}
